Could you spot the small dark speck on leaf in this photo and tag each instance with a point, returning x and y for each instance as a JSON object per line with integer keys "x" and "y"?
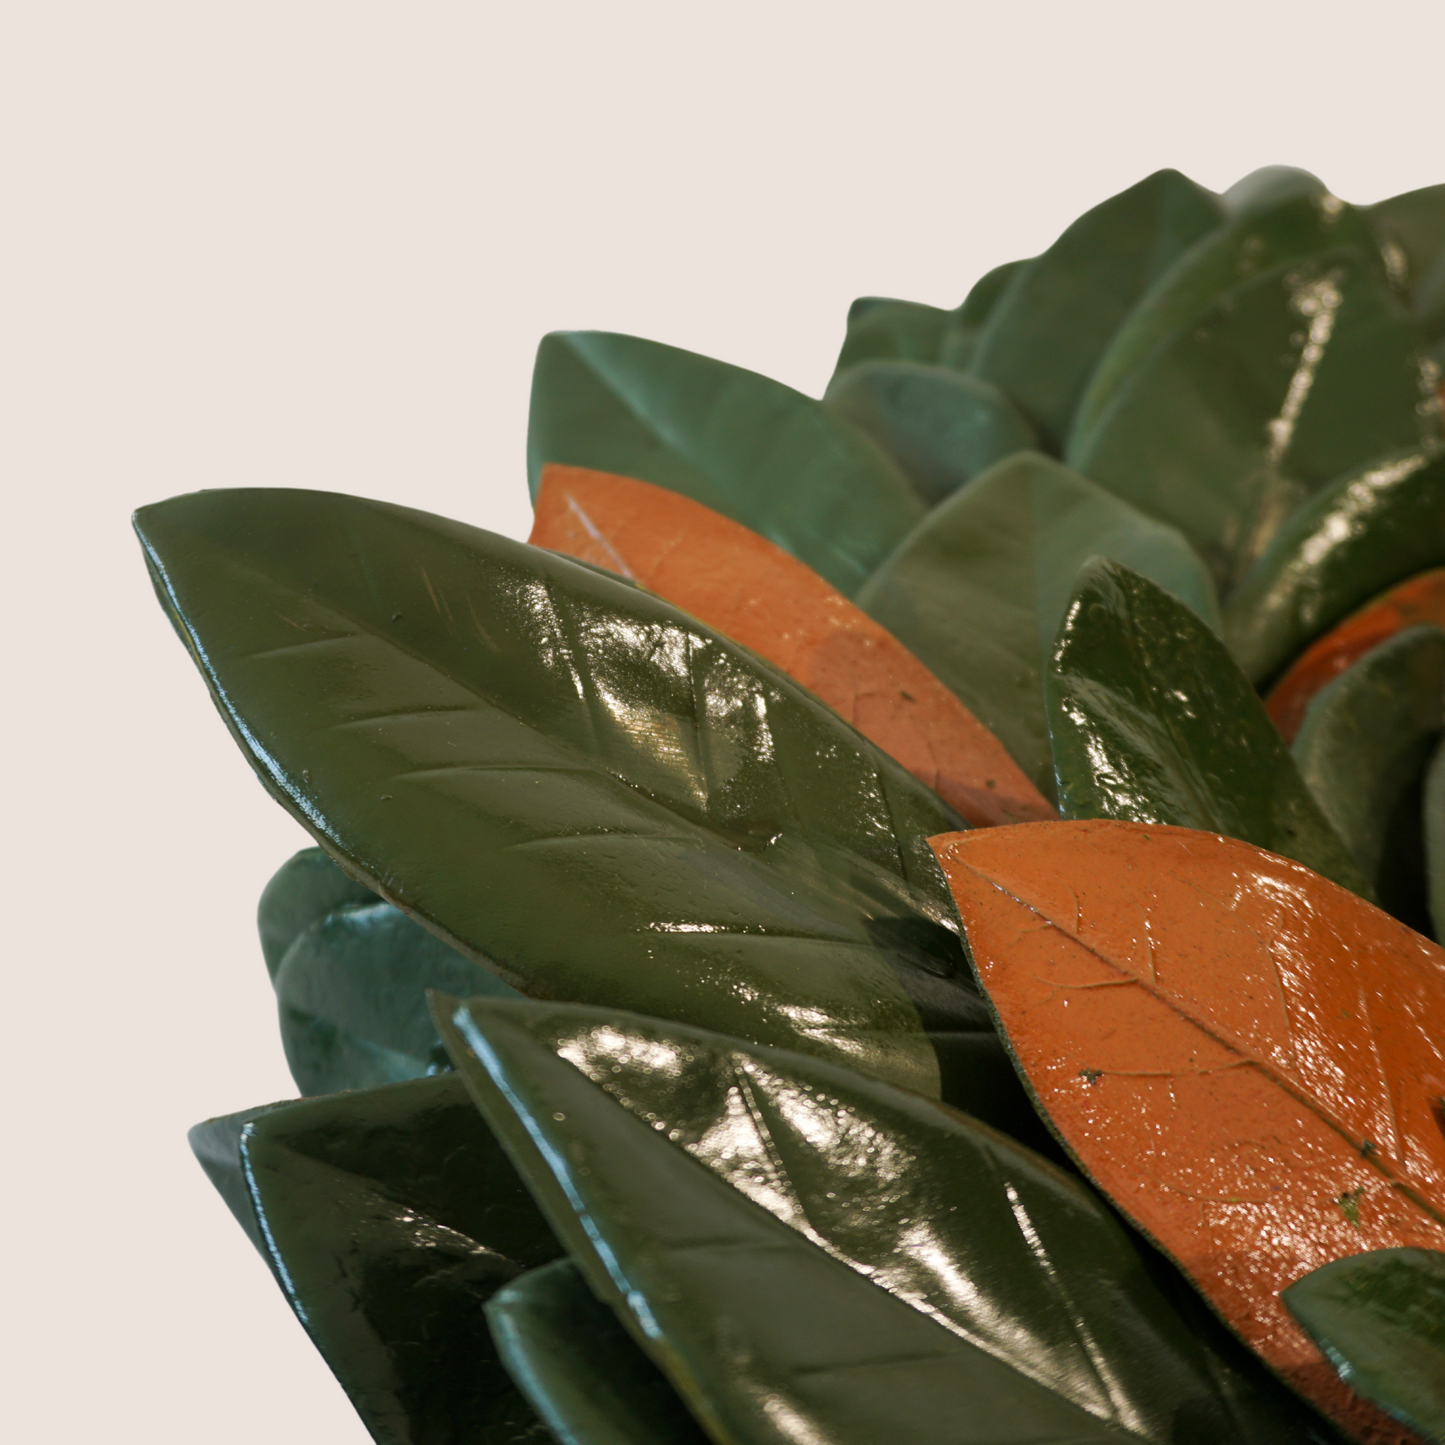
{"x": 1367, "y": 1148}
{"x": 906, "y": 695}
{"x": 396, "y": 616}
{"x": 1091, "y": 1076}
{"x": 1350, "y": 1206}
{"x": 989, "y": 783}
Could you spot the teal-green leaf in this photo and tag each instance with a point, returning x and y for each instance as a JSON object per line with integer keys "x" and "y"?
{"x": 567, "y": 778}
{"x": 1367, "y": 530}
{"x": 942, "y": 427}
{"x": 1379, "y": 1318}
{"x": 979, "y": 588}
{"x": 880, "y": 328}
{"x": 1363, "y": 749}
{"x": 1293, "y": 226}
{"x": 1152, "y": 721}
{"x": 888, "y": 1269}
{"x": 304, "y": 889}
{"x": 1051, "y": 325}
{"x": 352, "y": 997}
{"x": 746, "y": 446}
{"x": 1291, "y": 378}
{"x": 389, "y": 1217}
{"x": 572, "y": 1359}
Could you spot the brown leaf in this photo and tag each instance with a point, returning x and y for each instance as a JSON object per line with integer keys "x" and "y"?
{"x": 741, "y": 585}
{"x": 1247, "y": 1058}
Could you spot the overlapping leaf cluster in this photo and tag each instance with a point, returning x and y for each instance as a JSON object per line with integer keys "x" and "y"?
{"x": 656, "y": 1097}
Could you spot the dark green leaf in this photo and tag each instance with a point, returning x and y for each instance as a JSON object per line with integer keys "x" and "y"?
{"x": 1411, "y": 229}
{"x": 1153, "y": 722}
{"x": 1288, "y": 230}
{"x": 1369, "y": 529}
{"x": 1292, "y": 377}
{"x": 217, "y": 1146}
{"x": 1380, "y": 1320}
{"x": 352, "y": 993}
{"x": 1050, "y": 327}
{"x": 1434, "y": 830}
{"x": 305, "y": 888}
{"x": 568, "y": 778}
{"x": 880, "y": 328}
{"x": 1363, "y": 749}
{"x": 965, "y": 324}
{"x": 569, "y": 1355}
{"x": 389, "y": 1218}
{"x": 1262, "y": 191}
{"x": 978, "y": 1077}
{"x": 942, "y": 427}
{"x": 751, "y": 448}
{"x": 889, "y": 1269}
{"x": 979, "y": 588}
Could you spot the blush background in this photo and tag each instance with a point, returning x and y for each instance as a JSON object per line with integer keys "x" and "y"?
{"x": 314, "y": 244}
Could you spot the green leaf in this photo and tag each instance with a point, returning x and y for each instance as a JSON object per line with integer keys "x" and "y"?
{"x": 1290, "y": 228}
{"x": 978, "y": 1077}
{"x": 961, "y": 336}
{"x": 567, "y": 778}
{"x": 1262, "y": 191}
{"x": 572, "y": 1359}
{"x": 1379, "y": 1318}
{"x": 888, "y": 1269}
{"x": 1369, "y": 529}
{"x": 979, "y": 588}
{"x": 1434, "y": 830}
{"x": 942, "y": 427}
{"x": 352, "y": 994}
{"x": 1292, "y": 377}
{"x": 1050, "y": 327}
{"x": 388, "y": 1218}
{"x": 304, "y": 889}
{"x": 1411, "y": 229}
{"x": 880, "y": 328}
{"x": 1363, "y": 749}
{"x": 1153, "y": 722}
{"x": 751, "y": 448}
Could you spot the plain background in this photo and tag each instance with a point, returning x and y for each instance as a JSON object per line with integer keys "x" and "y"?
{"x": 314, "y": 245}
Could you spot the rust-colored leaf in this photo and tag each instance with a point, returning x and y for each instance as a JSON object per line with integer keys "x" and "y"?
{"x": 1246, "y": 1057}
{"x": 743, "y": 586}
{"x": 1421, "y": 599}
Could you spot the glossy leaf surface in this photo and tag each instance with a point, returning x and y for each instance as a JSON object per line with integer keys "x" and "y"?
{"x": 1289, "y": 228}
{"x": 567, "y": 777}
{"x": 1262, "y": 191}
{"x": 302, "y": 891}
{"x": 1053, "y": 322}
{"x": 1434, "y": 828}
{"x": 941, "y": 426}
{"x": 889, "y": 1269}
{"x": 1380, "y": 1317}
{"x": 1363, "y": 750}
{"x": 1367, "y": 530}
{"x": 1290, "y": 379}
{"x": 1153, "y": 722}
{"x": 1411, "y": 228}
{"x": 389, "y": 1217}
{"x": 572, "y": 1359}
{"x": 880, "y": 328}
{"x": 1245, "y": 1057}
{"x": 352, "y": 996}
{"x": 978, "y": 590}
{"x": 753, "y": 592}
{"x": 746, "y": 446}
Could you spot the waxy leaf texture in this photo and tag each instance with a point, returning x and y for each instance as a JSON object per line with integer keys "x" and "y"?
{"x": 1244, "y": 1056}
{"x": 743, "y": 586}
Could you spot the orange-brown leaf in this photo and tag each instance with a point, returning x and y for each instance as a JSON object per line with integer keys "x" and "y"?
{"x": 1247, "y": 1058}
{"x": 743, "y": 586}
{"x": 1421, "y": 599}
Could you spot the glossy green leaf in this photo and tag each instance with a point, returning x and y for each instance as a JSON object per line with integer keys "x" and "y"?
{"x": 216, "y": 1143}
{"x": 1363, "y": 749}
{"x": 1290, "y": 228}
{"x": 1434, "y": 830}
{"x": 880, "y": 328}
{"x": 303, "y": 890}
{"x": 1379, "y": 1318}
{"x": 1292, "y": 377}
{"x": 977, "y": 1076}
{"x": 1411, "y": 229}
{"x": 1153, "y": 722}
{"x": 979, "y": 588}
{"x": 572, "y": 1359}
{"x": 389, "y": 1217}
{"x": 1369, "y": 529}
{"x": 942, "y": 427}
{"x": 1055, "y": 320}
{"x": 562, "y": 774}
{"x": 1262, "y": 191}
{"x": 746, "y": 446}
{"x": 352, "y": 995}
{"x": 889, "y": 1269}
